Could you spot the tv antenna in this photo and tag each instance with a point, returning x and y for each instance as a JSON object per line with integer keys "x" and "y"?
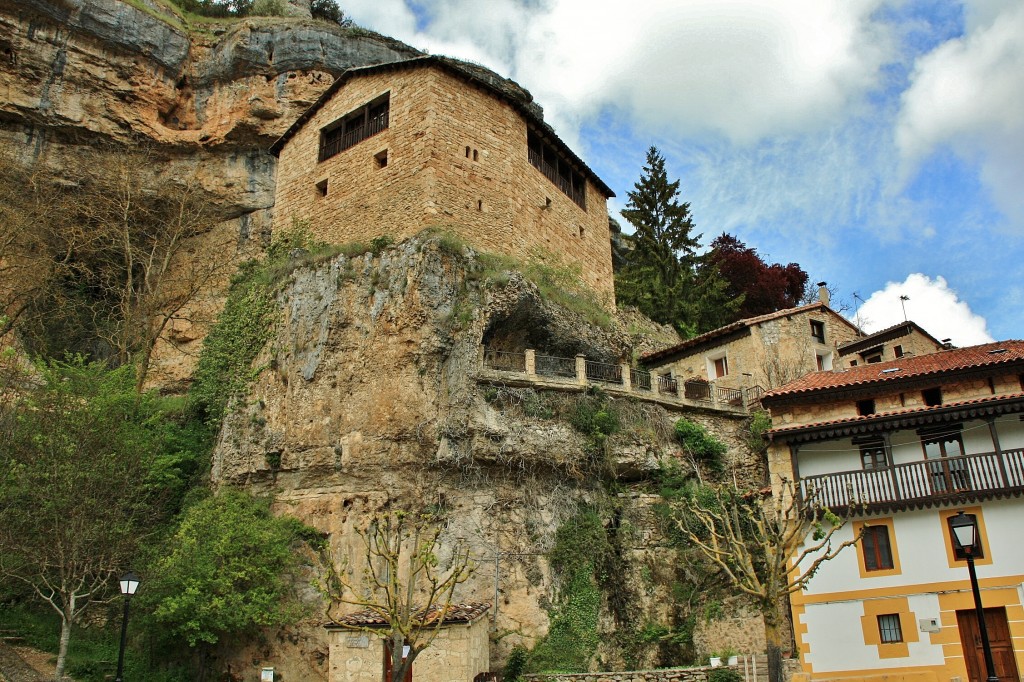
{"x": 903, "y": 301}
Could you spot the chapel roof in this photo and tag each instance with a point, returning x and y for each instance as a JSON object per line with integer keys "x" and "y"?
{"x": 455, "y": 613}
{"x": 518, "y": 97}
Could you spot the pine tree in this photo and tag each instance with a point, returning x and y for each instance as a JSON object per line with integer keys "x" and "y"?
{"x": 664, "y": 276}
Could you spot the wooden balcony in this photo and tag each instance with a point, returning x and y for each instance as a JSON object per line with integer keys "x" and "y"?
{"x": 921, "y": 484}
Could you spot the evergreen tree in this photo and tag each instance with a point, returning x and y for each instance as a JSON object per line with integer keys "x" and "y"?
{"x": 664, "y": 276}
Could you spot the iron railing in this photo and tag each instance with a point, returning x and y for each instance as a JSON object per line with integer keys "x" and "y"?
{"x": 505, "y": 361}
{"x": 641, "y": 379}
{"x": 668, "y": 385}
{"x": 549, "y": 365}
{"x": 697, "y": 390}
{"x": 604, "y": 372}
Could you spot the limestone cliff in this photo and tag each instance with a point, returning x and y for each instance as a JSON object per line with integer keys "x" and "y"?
{"x": 373, "y": 395}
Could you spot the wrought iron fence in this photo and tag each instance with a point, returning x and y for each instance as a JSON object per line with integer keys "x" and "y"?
{"x": 697, "y": 390}
{"x": 666, "y": 384}
{"x": 604, "y": 372}
{"x": 641, "y": 379}
{"x": 551, "y": 366}
{"x": 505, "y": 361}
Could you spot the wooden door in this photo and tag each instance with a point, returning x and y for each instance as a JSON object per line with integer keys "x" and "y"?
{"x": 389, "y": 666}
{"x": 999, "y": 639}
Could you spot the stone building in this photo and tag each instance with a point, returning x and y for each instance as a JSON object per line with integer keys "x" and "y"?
{"x": 459, "y": 653}
{"x": 903, "y": 339}
{"x": 431, "y": 142}
{"x": 758, "y": 352}
{"x": 904, "y": 446}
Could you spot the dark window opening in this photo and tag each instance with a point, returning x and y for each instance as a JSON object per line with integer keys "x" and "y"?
{"x": 556, "y": 168}
{"x": 877, "y": 548}
{"x": 865, "y": 407}
{"x": 979, "y": 550}
{"x": 467, "y": 152}
{"x": 889, "y": 628}
{"x": 479, "y": 204}
{"x": 355, "y": 126}
{"x": 475, "y": 155}
{"x": 932, "y": 396}
{"x": 818, "y": 330}
{"x": 381, "y": 158}
{"x": 581, "y": 231}
{"x": 853, "y": 363}
{"x": 872, "y": 359}
{"x": 898, "y": 351}
{"x": 321, "y": 188}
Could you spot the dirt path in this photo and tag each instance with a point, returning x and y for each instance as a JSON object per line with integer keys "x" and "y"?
{"x": 22, "y": 664}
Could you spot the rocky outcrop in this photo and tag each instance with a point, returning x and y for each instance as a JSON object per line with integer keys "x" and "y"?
{"x": 370, "y": 398}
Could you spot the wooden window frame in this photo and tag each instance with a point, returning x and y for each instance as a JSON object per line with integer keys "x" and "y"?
{"x": 818, "y": 330}
{"x": 877, "y": 549}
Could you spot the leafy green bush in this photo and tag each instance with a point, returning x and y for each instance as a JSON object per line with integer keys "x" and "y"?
{"x": 724, "y": 675}
{"x": 515, "y": 666}
{"x": 327, "y": 10}
{"x": 596, "y": 418}
{"x": 700, "y": 444}
{"x": 755, "y": 428}
{"x": 267, "y": 8}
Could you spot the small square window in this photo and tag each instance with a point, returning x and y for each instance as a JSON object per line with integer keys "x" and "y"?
{"x": 381, "y": 158}
{"x": 872, "y": 359}
{"x": 932, "y": 396}
{"x": 321, "y": 188}
{"x": 853, "y": 363}
{"x": 721, "y": 367}
{"x": 818, "y": 330}
{"x": 898, "y": 351}
{"x": 889, "y": 628}
{"x": 866, "y": 407}
{"x": 877, "y": 550}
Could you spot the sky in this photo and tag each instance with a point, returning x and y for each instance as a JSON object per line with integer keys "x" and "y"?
{"x": 877, "y": 143}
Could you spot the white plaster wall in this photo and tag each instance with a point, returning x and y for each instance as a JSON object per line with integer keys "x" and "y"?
{"x": 1011, "y": 432}
{"x": 824, "y": 457}
{"x": 921, "y": 538}
{"x": 835, "y": 637}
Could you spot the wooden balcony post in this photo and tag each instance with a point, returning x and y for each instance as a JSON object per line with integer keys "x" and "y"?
{"x": 887, "y": 444}
{"x": 531, "y": 363}
{"x": 581, "y": 370}
{"x": 998, "y": 450}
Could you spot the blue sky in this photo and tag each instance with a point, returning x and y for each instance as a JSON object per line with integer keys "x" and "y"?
{"x": 880, "y": 144}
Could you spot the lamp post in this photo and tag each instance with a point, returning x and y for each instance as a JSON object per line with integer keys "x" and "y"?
{"x": 129, "y": 583}
{"x": 965, "y": 537}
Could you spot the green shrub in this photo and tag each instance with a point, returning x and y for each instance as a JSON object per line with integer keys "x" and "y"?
{"x": 724, "y": 675}
{"x": 755, "y": 428}
{"x": 700, "y": 444}
{"x": 268, "y": 8}
{"x": 378, "y": 244}
{"x": 515, "y": 666}
{"x": 327, "y": 10}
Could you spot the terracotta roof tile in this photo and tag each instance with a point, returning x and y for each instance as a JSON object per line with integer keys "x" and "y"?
{"x": 884, "y": 334}
{"x": 737, "y": 325}
{"x": 985, "y": 355}
{"x": 878, "y": 416}
{"x": 457, "y": 613}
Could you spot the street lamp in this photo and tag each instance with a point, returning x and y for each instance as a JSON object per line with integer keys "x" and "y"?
{"x": 129, "y": 583}
{"x": 965, "y": 537}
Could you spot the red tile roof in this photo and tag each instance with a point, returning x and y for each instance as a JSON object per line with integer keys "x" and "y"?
{"x": 880, "y": 416}
{"x": 883, "y": 335}
{"x": 735, "y": 326}
{"x": 456, "y": 613}
{"x": 985, "y": 355}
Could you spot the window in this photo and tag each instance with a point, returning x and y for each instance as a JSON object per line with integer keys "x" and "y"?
{"x": 898, "y": 351}
{"x": 824, "y": 361}
{"x": 940, "y": 444}
{"x": 355, "y": 126}
{"x": 818, "y": 330}
{"x": 877, "y": 550}
{"x": 889, "y": 628}
{"x": 556, "y": 168}
{"x": 381, "y": 158}
{"x": 718, "y": 367}
{"x": 872, "y": 454}
{"x": 865, "y": 407}
{"x": 979, "y": 548}
{"x": 321, "y": 188}
{"x": 853, "y": 363}
{"x": 932, "y": 396}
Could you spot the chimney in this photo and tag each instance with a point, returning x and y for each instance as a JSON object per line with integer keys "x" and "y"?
{"x": 823, "y": 292}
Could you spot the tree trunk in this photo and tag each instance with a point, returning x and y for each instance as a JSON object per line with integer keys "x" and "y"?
{"x": 62, "y": 653}
{"x": 775, "y": 641}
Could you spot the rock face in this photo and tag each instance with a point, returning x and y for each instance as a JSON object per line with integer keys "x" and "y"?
{"x": 371, "y": 398}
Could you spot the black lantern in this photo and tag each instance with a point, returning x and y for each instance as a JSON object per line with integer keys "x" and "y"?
{"x": 129, "y": 582}
{"x": 964, "y": 531}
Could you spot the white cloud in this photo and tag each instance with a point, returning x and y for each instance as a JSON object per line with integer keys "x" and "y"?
{"x": 968, "y": 93}
{"x": 932, "y": 304}
{"x": 743, "y": 69}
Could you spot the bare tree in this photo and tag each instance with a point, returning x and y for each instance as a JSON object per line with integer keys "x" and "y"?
{"x": 767, "y": 545}
{"x": 403, "y": 584}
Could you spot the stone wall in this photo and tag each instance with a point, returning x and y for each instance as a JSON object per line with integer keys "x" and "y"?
{"x": 491, "y": 196}
{"x": 660, "y": 675}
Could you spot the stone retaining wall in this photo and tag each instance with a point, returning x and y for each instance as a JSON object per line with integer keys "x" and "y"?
{"x": 662, "y": 675}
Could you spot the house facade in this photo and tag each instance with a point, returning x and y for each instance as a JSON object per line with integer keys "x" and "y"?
{"x": 393, "y": 149}
{"x": 460, "y": 652}
{"x": 903, "y": 339}
{"x": 758, "y": 352}
{"x": 903, "y": 446}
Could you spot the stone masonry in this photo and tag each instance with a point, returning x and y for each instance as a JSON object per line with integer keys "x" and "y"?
{"x": 456, "y": 159}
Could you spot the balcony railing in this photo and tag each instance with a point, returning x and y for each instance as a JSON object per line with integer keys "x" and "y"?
{"x": 953, "y": 478}
{"x": 551, "y": 366}
{"x": 339, "y": 140}
{"x": 603, "y": 372}
{"x": 505, "y": 361}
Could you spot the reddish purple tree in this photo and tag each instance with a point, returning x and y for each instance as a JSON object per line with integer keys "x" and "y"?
{"x": 765, "y": 287}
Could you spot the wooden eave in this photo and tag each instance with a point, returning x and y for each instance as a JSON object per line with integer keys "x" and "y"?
{"x": 900, "y": 420}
